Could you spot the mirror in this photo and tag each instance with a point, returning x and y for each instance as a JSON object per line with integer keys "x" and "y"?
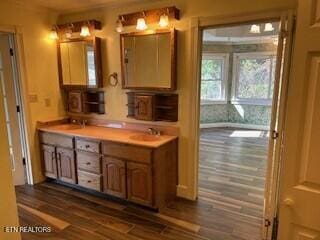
{"x": 149, "y": 60}
{"x": 80, "y": 63}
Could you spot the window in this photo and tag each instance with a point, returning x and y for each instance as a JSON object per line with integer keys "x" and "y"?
{"x": 214, "y": 69}
{"x": 254, "y": 75}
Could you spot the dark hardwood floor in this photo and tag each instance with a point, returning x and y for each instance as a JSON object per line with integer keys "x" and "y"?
{"x": 231, "y": 183}
{"x": 232, "y": 176}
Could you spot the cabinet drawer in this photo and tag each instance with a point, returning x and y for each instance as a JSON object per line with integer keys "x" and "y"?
{"x": 88, "y": 146}
{"x": 56, "y": 139}
{"x": 89, "y": 180}
{"x": 89, "y": 162}
{"x": 130, "y": 152}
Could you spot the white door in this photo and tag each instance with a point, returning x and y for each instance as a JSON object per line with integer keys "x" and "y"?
{"x": 277, "y": 124}
{"x": 299, "y": 215}
{"x": 8, "y": 89}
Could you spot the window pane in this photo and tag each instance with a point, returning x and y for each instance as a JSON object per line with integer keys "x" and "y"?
{"x": 211, "y": 90}
{"x": 211, "y": 69}
{"x": 274, "y": 63}
{"x": 254, "y": 78}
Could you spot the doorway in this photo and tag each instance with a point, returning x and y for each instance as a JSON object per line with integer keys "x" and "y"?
{"x": 239, "y": 88}
{"x": 11, "y": 94}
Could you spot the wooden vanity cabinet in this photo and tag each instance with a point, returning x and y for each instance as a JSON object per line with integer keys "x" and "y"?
{"x": 89, "y": 163}
{"x": 139, "y": 179}
{"x": 50, "y": 161}
{"x": 139, "y": 174}
{"x": 114, "y": 177}
{"x": 58, "y": 157}
{"x": 66, "y": 165}
{"x": 151, "y": 173}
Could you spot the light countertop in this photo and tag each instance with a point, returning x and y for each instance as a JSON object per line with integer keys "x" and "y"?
{"x": 108, "y": 134}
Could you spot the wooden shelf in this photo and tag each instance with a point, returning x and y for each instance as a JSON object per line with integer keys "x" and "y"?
{"x": 158, "y": 106}
{"x": 165, "y": 107}
{"x": 94, "y": 103}
{"x": 86, "y": 101}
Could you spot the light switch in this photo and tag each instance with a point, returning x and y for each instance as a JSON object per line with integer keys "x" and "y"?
{"x": 33, "y": 98}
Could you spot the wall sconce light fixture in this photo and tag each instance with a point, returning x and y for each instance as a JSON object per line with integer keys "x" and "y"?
{"x": 161, "y": 16}
{"x": 268, "y": 27}
{"x": 85, "y": 31}
{"x": 141, "y": 23}
{"x": 164, "y": 20}
{"x": 53, "y": 33}
{"x": 255, "y": 29}
{"x": 66, "y": 30}
{"x": 119, "y": 25}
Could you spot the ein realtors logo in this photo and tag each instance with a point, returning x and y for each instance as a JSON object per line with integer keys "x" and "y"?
{"x": 27, "y": 229}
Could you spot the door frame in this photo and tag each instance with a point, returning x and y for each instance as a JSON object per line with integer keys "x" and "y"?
{"x": 18, "y": 61}
{"x": 198, "y": 24}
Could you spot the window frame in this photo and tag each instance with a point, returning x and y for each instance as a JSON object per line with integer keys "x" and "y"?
{"x": 236, "y": 73}
{"x": 224, "y": 81}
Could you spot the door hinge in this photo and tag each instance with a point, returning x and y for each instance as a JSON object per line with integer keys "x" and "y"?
{"x": 18, "y": 108}
{"x": 267, "y": 222}
{"x": 24, "y": 161}
{"x": 11, "y": 51}
{"x": 275, "y": 134}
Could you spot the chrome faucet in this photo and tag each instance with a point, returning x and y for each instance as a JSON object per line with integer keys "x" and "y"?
{"x": 81, "y": 122}
{"x": 153, "y": 131}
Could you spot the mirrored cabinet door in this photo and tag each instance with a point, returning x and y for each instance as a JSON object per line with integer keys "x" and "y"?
{"x": 149, "y": 60}
{"x": 80, "y": 63}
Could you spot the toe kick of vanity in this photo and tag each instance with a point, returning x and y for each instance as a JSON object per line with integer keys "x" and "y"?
{"x": 139, "y": 174}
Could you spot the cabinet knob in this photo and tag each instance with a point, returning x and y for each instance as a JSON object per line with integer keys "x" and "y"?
{"x": 87, "y": 146}
{"x": 88, "y": 163}
{"x": 89, "y": 181}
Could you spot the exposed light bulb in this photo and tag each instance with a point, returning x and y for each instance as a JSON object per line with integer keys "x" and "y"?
{"x": 164, "y": 20}
{"x": 268, "y": 27}
{"x": 141, "y": 24}
{"x": 119, "y": 26}
{"x": 255, "y": 29}
{"x": 85, "y": 31}
{"x": 69, "y": 33}
{"x": 53, "y": 35}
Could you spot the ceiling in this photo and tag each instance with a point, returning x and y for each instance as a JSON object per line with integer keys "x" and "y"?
{"x": 73, "y": 5}
{"x": 240, "y": 34}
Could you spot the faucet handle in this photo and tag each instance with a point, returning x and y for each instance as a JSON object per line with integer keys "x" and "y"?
{"x": 154, "y": 131}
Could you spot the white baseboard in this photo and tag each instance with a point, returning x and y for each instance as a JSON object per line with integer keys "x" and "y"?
{"x": 235, "y": 125}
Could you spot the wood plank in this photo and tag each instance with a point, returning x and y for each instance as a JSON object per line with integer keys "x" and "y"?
{"x": 56, "y": 222}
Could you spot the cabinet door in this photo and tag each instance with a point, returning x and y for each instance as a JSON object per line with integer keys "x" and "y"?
{"x": 144, "y": 107}
{"x": 139, "y": 180}
{"x": 50, "y": 161}
{"x": 75, "y": 102}
{"x": 114, "y": 177}
{"x": 66, "y": 165}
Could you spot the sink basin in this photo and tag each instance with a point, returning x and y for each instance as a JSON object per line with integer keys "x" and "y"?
{"x": 145, "y": 137}
{"x": 69, "y": 127}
